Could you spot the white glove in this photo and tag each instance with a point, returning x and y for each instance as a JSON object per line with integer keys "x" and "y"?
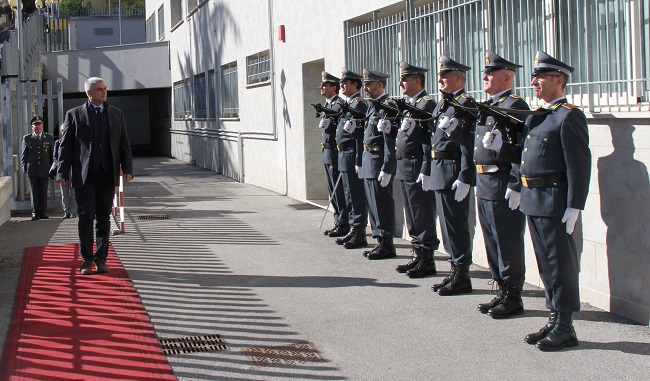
{"x": 357, "y": 169}
{"x": 384, "y": 126}
{"x": 493, "y": 140}
{"x": 350, "y": 126}
{"x": 424, "y": 179}
{"x": 462, "y": 190}
{"x": 384, "y": 179}
{"x": 324, "y": 123}
{"x": 514, "y": 198}
{"x": 570, "y": 218}
{"x": 408, "y": 124}
{"x": 447, "y": 124}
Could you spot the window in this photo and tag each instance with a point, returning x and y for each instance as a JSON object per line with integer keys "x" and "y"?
{"x": 150, "y": 29}
{"x": 200, "y": 97}
{"x": 229, "y": 92}
{"x": 161, "y": 22}
{"x": 258, "y": 68}
{"x": 183, "y": 99}
{"x": 176, "y": 7}
{"x": 211, "y": 94}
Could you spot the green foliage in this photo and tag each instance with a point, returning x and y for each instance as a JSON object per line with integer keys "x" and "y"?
{"x": 72, "y": 8}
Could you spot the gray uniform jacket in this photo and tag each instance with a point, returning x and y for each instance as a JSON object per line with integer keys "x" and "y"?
{"x": 554, "y": 144}
{"x": 350, "y": 145}
{"x": 36, "y": 156}
{"x": 328, "y": 143}
{"x": 414, "y": 150}
{"x": 379, "y": 147}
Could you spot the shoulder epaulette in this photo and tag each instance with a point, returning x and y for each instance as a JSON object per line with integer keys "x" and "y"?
{"x": 27, "y": 135}
{"x": 556, "y": 106}
{"x": 358, "y": 99}
{"x": 466, "y": 95}
{"x": 428, "y": 97}
{"x": 515, "y": 96}
{"x": 569, "y": 106}
{"x": 502, "y": 99}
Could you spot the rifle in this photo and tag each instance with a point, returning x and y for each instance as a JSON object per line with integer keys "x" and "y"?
{"x": 390, "y": 111}
{"x": 511, "y": 125}
{"x": 322, "y": 111}
{"x": 355, "y": 114}
{"x": 415, "y": 112}
{"x": 448, "y": 99}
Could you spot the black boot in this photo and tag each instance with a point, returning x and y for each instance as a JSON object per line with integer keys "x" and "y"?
{"x": 328, "y": 231}
{"x": 339, "y": 231}
{"x": 533, "y": 338}
{"x": 385, "y": 250}
{"x": 377, "y": 246}
{"x": 446, "y": 280}
{"x": 460, "y": 283}
{"x": 347, "y": 237}
{"x": 562, "y": 335}
{"x": 511, "y": 304}
{"x": 357, "y": 240}
{"x": 417, "y": 255}
{"x": 484, "y": 307}
{"x": 425, "y": 267}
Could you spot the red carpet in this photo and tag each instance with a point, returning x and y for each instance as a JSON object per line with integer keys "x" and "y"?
{"x": 66, "y": 326}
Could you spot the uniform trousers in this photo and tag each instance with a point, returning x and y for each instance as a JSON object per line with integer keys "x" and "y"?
{"x": 68, "y": 199}
{"x": 95, "y": 202}
{"x": 381, "y": 207}
{"x": 38, "y": 194}
{"x": 503, "y": 233}
{"x": 337, "y": 195}
{"x": 420, "y": 211}
{"x": 355, "y": 199}
{"x": 454, "y": 224}
{"x": 557, "y": 260}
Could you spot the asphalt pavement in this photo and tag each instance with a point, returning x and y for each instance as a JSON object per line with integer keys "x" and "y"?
{"x": 248, "y": 268}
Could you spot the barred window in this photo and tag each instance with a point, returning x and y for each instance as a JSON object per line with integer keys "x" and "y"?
{"x": 183, "y": 99}
{"x": 211, "y": 94}
{"x": 258, "y": 68}
{"x": 200, "y": 97}
{"x": 161, "y": 22}
{"x": 229, "y": 92}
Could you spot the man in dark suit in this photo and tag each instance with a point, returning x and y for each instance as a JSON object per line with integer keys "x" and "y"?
{"x": 555, "y": 172}
{"x": 36, "y": 159}
{"x": 413, "y": 168}
{"x": 453, "y": 174}
{"x": 329, "y": 88}
{"x": 378, "y": 165}
{"x": 95, "y": 144}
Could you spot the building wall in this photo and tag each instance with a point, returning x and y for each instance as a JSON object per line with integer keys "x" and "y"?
{"x": 278, "y": 133}
{"x": 83, "y": 32}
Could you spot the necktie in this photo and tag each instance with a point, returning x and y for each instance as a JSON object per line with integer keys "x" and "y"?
{"x": 98, "y": 111}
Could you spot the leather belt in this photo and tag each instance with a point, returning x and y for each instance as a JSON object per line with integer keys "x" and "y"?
{"x": 491, "y": 168}
{"x": 328, "y": 145}
{"x": 543, "y": 181}
{"x": 407, "y": 155}
{"x": 344, "y": 147}
{"x": 373, "y": 150}
{"x": 445, "y": 155}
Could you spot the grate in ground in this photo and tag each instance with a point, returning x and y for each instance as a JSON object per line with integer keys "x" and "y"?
{"x": 153, "y": 217}
{"x": 192, "y": 344}
{"x": 291, "y": 354}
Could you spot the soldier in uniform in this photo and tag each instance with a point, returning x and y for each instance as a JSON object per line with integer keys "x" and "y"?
{"x": 329, "y": 88}
{"x": 413, "y": 168}
{"x": 349, "y": 141}
{"x": 555, "y": 170}
{"x": 452, "y": 175}
{"x": 498, "y": 191}
{"x": 378, "y": 165}
{"x": 37, "y": 159}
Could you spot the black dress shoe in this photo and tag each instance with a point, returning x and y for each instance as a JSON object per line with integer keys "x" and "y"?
{"x": 562, "y": 335}
{"x": 339, "y": 231}
{"x": 533, "y": 338}
{"x": 44, "y": 217}
{"x": 86, "y": 267}
{"x": 100, "y": 264}
{"x": 34, "y": 218}
{"x": 66, "y": 215}
{"x": 460, "y": 283}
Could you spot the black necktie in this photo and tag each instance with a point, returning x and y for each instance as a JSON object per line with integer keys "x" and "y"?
{"x": 98, "y": 111}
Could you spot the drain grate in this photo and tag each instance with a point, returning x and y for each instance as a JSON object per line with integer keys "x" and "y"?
{"x": 303, "y": 206}
{"x": 154, "y": 217}
{"x": 192, "y": 344}
{"x": 284, "y": 355}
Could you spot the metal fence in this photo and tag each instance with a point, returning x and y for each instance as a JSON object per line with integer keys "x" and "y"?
{"x": 606, "y": 41}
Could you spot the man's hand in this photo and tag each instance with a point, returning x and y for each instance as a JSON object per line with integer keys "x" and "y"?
{"x": 62, "y": 182}
{"x": 570, "y": 218}
{"x": 493, "y": 140}
{"x": 514, "y": 198}
{"x": 127, "y": 177}
{"x": 384, "y": 179}
{"x": 462, "y": 190}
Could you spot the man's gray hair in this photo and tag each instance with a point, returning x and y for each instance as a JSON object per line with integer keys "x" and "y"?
{"x": 90, "y": 82}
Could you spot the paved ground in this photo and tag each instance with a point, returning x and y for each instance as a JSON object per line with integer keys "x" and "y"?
{"x": 251, "y": 266}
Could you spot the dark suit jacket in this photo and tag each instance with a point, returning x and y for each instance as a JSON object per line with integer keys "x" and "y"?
{"x": 76, "y": 144}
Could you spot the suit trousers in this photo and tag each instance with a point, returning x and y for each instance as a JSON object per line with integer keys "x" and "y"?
{"x": 355, "y": 199}
{"x": 454, "y": 224}
{"x": 420, "y": 211}
{"x": 95, "y": 202}
{"x": 336, "y": 194}
{"x": 503, "y": 233}
{"x": 38, "y": 196}
{"x": 381, "y": 208}
{"x": 557, "y": 260}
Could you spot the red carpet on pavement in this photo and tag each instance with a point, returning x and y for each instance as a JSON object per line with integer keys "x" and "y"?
{"x": 67, "y": 326}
